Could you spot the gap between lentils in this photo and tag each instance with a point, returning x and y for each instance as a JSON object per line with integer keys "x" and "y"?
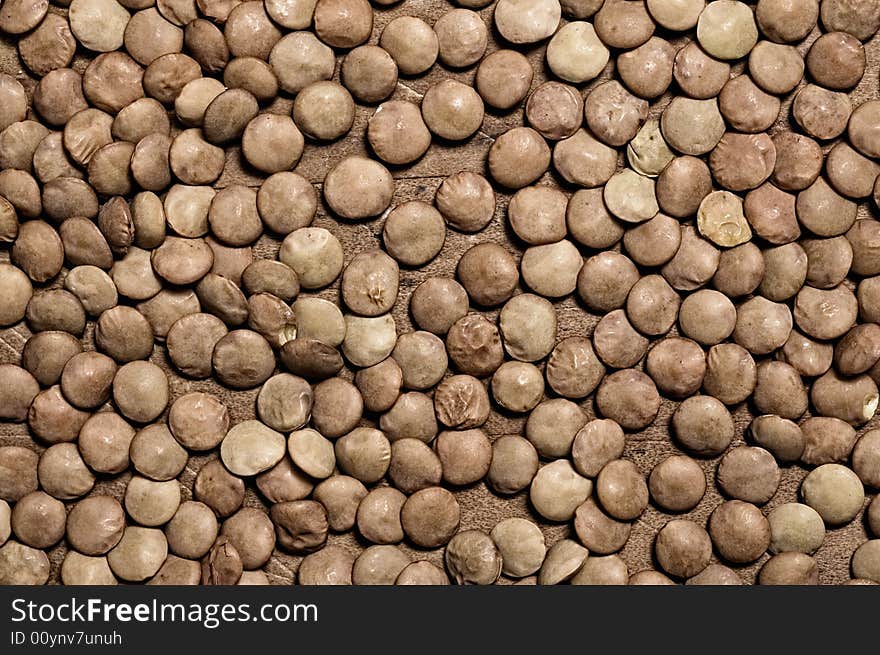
{"x": 524, "y": 291}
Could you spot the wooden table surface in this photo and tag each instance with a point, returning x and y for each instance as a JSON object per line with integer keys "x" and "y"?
{"x": 480, "y": 507}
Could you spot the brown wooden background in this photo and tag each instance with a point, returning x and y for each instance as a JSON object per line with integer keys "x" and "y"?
{"x": 480, "y": 507}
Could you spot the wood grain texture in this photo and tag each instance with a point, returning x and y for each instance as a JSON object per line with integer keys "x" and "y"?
{"x": 480, "y": 508}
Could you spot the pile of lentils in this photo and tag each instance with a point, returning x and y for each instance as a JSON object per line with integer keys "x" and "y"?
{"x": 533, "y": 291}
